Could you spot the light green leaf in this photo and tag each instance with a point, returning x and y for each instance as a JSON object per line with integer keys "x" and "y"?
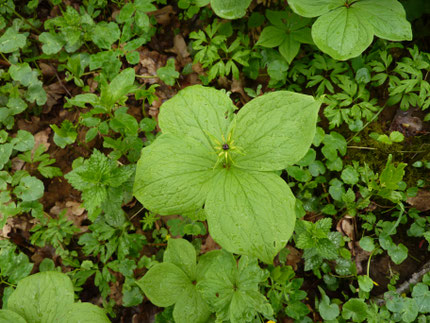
{"x": 232, "y": 290}
{"x": 118, "y": 88}
{"x": 40, "y": 297}
{"x": 191, "y": 307}
{"x": 52, "y": 42}
{"x": 365, "y": 283}
{"x": 24, "y": 74}
{"x": 23, "y": 141}
{"x": 271, "y": 37}
{"x": 199, "y": 112}
{"x": 5, "y": 152}
{"x": 7, "y": 316}
{"x": 82, "y": 312}
{"x": 250, "y": 213}
{"x": 182, "y": 254}
{"x": 30, "y": 189}
{"x": 314, "y": 8}
{"x": 164, "y": 283}
{"x": 342, "y": 33}
{"x": 168, "y": 73}
{"x": 12, "y": 40}
{"x": 355, "y": 309}
{"x": 65, "y": 135}
{"x": 388, "y": 18}
{"x": 230, "y": 9}
{"x": 105, "y": 34}
{"x": 289, "y": 48}
{"x": 167, "y": 187}
{"x": 275, "y": 130}
{"x": 350, "y": 175}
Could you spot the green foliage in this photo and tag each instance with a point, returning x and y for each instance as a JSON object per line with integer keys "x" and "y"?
{"x": 42, "y": 160}
{"x": 287, "y": 31}
{"x": 211, "y": 46}
{"x": 104, "y": 184}
{"x": 344, "y": 29}
{"x": 215, "y": 284}
{"x": 223, "y": 162}
{"x": 48, "y": 296}
{"x": 168, "y": 74}
{"x": 230, "y": 9}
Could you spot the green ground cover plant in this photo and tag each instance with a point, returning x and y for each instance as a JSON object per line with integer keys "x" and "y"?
{"x": 214, "y": 161}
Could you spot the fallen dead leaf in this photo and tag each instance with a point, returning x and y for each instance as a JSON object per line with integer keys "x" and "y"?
{"x": 55, "y": 92}
{"x": 209, "y": 245}
{"x": 421, "y": 202}
{"x": 346, "y": 226}
{"x": 294, "y": 257}
{"x": 47, "y": 70}
{"x": 163, "y": 15}
{"x": 42, "y": 137}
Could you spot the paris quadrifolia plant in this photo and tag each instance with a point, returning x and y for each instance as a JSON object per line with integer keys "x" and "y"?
{"x": 229, "y": 164}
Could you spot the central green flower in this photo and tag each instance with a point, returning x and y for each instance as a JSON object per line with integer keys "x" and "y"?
{"x": 209, "y": 157}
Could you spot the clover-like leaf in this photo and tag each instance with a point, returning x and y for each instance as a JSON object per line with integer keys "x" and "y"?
{"x": 345, "y": 29}
{"x": 167, "y": 284}
{"x": 250, "y": 212}
{"x": 208, "y": 157}
{"x": 232, "y": 289}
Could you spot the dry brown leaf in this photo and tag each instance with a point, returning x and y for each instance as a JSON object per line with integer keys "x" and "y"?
{"x": 163, "y": 15}
{"x": 47, "y": 70}
{"x": 346, "y": 226}
{"x": 421, "y": 202}
{"x": 42, "y": 137}
{"x": 209, "y": 245}
{"x": 294, "y": 257}
{"x": 55, "y": 92}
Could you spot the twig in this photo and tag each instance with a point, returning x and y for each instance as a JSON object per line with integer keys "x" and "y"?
{"x": 415, "y": 278}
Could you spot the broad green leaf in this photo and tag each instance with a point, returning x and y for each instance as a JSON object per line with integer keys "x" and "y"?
{"x": 392, "y": 175}
{"x": 12, "y": 40}
{"x": 65, "y": 135}
{"x": 181, "y": 253}
{"x": 314, "y": 8}
{"x": 388, "y": 18}
{"x": 52, "y": 42}
{"x": 271, "y": 37}
{"x": 40, "y": 297}
{"x": 191, "y": 307}
{"x": 232, "y": 289}
{"x": 275, "y": 130}
{"x": 250, "y": 212}
{"x": 30, "y": 189}
{"x": 355, "y": 309}
{"x": 173, "y": 175}
{"x": 82, "y": 312}
{"x": 230, "y": 9}
{"x": 365, "y": 283}
{"x": 342, "y": 33}
{"x": 168, "y": 73}
{"x": 105, "y": 34}
{"x": 289, "y": 48}
{"x": 24, "y": 74}
{"x": 164, "y": 283}
{"x": 5, "y": 152}
{"x": 118, "y": 88}
{"x": 7, "y": 316}
{"x": 199, "y": 112}
{"x": 23, "y": 141}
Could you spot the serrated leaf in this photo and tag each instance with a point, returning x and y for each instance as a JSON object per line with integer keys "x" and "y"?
{"x": 165, "y": 187}
{"x": 342, "y": 33}
{"x": 230, "y": 9}
{"x": 275, "y": 130}
{"x": 164, "y": 283}
{"x": 250, "y": 213}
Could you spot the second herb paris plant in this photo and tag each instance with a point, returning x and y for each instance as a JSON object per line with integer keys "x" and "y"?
{"x": 209, "y": 157}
